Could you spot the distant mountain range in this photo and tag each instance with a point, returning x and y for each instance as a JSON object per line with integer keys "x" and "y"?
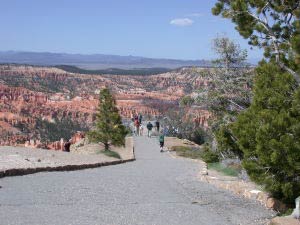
{"x": 95, "y": 61}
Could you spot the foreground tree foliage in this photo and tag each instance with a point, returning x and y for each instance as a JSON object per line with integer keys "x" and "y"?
{"x": 267, "y": 134}
{"x": 273, "y": 25}
{"x": 109, "y": 129}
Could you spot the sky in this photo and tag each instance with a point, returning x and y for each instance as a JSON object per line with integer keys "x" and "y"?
{"x": 177, "y": 29}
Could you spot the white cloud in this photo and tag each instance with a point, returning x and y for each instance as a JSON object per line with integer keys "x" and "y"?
{"x": 182, "y": 22}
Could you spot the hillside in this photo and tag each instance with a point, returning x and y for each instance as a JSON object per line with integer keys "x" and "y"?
{"x": 114, "y": 71}
{"x": 95, "y": 61}
{"x": 48, "y": 103}
{"x": 33, "y": 98}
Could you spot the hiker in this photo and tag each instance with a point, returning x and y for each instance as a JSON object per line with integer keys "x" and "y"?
{"x": 67, "y": 146}
{"x": 149, "y": 127}
{"x": 137, "y": 126}
{"x": 161, "y": 141}
{"x": 157, "y": 126}
{"x": 141, "y": 130}
{"x": 140, "y": 117}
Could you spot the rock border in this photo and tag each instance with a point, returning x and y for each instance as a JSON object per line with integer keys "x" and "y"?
{"x": 258, "y": 195}
{"x": 26, "y": 171}
{"x": 261, "y": 197}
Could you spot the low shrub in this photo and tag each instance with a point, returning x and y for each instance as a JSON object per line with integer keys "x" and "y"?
{"x": 208, "y": 155}
{"x": 188, "y": 152}
{"x": 196, "y": 153}
{"x": 229, "y": 171}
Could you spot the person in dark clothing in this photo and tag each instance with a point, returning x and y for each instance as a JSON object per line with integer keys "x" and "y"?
{"x": 140, "y": 117}
{"x": 67, "y": 146}
{"x": 157, "y": 125}
{"x": 161, "y": 141}
{"x": 149, "y": 127}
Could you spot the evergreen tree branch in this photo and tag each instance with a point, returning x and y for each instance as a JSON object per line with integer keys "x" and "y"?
{"x": 275, "y": 42}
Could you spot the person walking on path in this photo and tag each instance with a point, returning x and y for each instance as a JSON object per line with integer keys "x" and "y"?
{"x": 137, "y": 127}
{"x": 161, "y": 141}
{"x": 149, "y": 127}
{"x": 140, "y": 117}
{"x": 157, "y": 126}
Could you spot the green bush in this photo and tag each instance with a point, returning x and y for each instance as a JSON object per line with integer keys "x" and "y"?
{"x": 208, "y": 155}
{"x": 199, "y": 136}
{"x": 268, "y": 133}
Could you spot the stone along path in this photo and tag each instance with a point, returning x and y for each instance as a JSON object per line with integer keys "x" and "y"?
{"x": 155, "y": 189}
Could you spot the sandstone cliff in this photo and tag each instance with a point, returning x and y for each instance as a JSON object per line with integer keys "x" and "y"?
{"x": 29, "y": 93}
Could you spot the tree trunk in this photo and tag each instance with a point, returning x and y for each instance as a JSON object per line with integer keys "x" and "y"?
{"x": 293, "y": 73}
{"x": 106, "y": 146}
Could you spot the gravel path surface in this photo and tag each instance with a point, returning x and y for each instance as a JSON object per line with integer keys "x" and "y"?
{"x": 155, "y": 189}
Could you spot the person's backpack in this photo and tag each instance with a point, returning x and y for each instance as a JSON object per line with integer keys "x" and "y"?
{"x": 161, "y": 138}
{"x": 149, "y": 126}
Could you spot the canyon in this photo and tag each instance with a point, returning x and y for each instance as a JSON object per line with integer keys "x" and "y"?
{"x": 30, "y": 93}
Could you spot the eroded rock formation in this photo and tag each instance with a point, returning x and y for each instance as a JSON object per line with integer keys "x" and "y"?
{"x": 29, "y": 93}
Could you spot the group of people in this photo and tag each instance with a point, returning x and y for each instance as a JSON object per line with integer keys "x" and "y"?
{"x": 150, "y": 127}
{"x": 139, "y": 129}
{"x": 160, "y": 132}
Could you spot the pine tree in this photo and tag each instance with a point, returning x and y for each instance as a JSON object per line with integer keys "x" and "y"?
{"x": 272, "y": 25}
{"x": 109, "y": 129}
{"x": 268, "y": 133}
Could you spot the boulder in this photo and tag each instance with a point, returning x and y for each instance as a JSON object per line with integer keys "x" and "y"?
{"x": 296, "y": 211}
{"x": 276, "y": 205}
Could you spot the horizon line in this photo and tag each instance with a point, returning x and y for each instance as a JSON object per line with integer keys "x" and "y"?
{"x": 105, "y": 54}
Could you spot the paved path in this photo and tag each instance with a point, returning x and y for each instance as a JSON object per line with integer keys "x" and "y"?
{"x": 155, "y": 189}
